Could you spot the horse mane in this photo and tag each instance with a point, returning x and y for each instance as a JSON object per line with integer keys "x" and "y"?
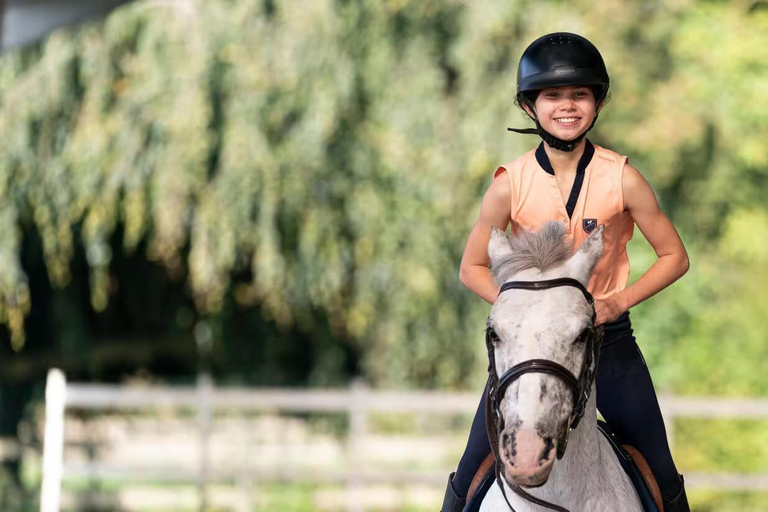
{"x": 542, "y": 250}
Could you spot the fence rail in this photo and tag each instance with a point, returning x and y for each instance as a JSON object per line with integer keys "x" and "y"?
{"x": 357, "y": 402}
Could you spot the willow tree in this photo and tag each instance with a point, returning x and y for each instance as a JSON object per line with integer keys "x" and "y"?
{"x": 331, "y": 155}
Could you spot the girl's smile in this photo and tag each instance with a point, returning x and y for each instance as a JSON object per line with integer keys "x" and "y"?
{"x": 566, "y": 111}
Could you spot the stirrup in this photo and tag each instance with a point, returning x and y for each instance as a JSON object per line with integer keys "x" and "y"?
{"x": 452, "y": 502}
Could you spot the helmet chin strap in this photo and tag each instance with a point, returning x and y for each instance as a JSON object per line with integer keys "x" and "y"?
{"x": 551, "y": 140}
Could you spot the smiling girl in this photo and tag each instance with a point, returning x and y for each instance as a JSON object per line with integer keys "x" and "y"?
{"x": 562, "y": 84}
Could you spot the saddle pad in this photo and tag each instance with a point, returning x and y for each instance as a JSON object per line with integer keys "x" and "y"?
{"x": 628, "y": 463}
{"x": 648, "y": 476}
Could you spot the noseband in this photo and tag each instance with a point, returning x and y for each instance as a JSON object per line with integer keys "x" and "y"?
{"x": 580, "y": 386}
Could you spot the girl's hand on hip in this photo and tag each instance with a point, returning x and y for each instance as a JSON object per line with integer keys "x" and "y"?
{"x": 607, "y": 310}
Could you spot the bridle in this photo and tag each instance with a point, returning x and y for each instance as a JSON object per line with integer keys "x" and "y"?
{"x": 581, "y": 386}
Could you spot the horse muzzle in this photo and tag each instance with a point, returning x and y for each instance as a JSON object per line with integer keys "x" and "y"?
{"x": 528, "y": 457}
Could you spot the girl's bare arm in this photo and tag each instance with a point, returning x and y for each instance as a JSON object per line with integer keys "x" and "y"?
{"x": 495, "y": 211}
{"x": 672, "y": 261}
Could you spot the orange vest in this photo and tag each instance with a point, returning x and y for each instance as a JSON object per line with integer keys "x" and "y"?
{"x": 536, "y": 199}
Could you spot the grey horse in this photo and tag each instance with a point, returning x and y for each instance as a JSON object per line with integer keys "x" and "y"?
{"x": 545, "y": 324}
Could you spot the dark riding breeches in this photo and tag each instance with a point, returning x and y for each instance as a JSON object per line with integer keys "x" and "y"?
{"x": 625, "y": 398}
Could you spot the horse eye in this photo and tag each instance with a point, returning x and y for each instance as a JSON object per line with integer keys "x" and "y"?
{"x": 494, "y": 337}
{"x": 583, "y": 336}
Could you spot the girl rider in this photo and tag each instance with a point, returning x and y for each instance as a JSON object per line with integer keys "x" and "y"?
{"x": 562, "y": 84}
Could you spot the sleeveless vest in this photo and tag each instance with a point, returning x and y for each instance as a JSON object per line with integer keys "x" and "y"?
{"x": 536, "y": 199}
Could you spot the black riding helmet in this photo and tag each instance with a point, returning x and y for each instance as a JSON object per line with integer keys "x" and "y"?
{"x": 559, "y": 59}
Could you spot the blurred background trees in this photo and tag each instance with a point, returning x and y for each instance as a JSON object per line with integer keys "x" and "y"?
{"x": 311, "y": 170}
{"x": 280, "y": 191}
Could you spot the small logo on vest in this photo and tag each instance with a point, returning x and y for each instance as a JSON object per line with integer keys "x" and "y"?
{"x": 590, "y": 225}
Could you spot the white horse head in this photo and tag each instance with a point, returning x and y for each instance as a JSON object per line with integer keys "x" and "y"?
{"x": 538, "y": 324}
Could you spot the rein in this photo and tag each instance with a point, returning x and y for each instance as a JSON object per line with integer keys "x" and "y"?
{"x": 581, "y": 386}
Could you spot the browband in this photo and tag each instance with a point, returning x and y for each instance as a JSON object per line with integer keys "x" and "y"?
{"x": 548, "y": 283}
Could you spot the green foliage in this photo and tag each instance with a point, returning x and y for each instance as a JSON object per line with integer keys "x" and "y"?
{"x": 710, "y": 501}
{"x": 720, "y": 446}
{"x": 330, "y": 156}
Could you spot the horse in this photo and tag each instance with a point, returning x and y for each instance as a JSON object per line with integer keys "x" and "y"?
{"x": 543, "y": 319}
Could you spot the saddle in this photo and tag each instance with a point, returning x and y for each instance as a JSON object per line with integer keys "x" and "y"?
{"x": 631, "y": 460}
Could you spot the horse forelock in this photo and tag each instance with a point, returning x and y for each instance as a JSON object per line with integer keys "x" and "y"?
{"x": 543, "y": 250}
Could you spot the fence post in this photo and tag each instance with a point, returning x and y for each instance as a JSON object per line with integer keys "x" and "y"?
{"x": 204, "y": 417}
{"x": 53, "y": 444}
{"x": 358, "y": 420}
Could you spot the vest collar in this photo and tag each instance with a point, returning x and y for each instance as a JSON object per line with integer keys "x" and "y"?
{"x": 543, "y": 159}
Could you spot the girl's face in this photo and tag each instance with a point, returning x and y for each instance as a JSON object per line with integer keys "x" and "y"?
{"x": 567, "y": 111}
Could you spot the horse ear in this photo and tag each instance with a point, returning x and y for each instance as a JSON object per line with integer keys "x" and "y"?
{"x": 498, "y": 246}
{"x": 583, "y": 261}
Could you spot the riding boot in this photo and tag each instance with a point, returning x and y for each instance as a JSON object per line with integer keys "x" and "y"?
{"x": 452, "y": 502}
{"x": 680, "y": 502}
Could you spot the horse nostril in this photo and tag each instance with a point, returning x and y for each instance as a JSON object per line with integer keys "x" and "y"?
{"x": 507, "y": 446}
{"x": 548, "y": 445}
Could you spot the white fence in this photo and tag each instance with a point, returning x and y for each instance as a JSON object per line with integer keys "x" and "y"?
{"x": 357, "y": 403}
